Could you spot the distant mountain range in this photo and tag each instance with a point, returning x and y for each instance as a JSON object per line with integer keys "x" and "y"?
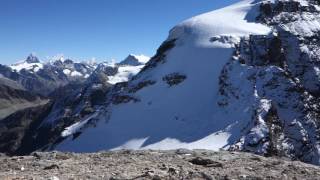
{"x": 242, "y": 78}
{"x": 34, "y": 94}
{"x": 44, "y": 77}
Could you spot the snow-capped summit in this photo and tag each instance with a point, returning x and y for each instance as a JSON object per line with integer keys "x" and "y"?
{"x": 31, "y": 64}
{"x": 128, "y": 68}
{"x": 120, "y": 72}
{"x": 68, "y": 61}
{"x": 235, "y": 20}
{"x": 32, "y": 59}
{"x": 134, "y": 60}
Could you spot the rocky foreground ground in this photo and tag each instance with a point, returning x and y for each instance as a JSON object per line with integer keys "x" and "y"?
{"x": 178, "y": 164}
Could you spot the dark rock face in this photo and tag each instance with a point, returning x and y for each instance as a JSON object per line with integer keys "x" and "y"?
{"x": 17, "y": 128}
{"x": 32, "y": 59}
{"x": 101, "y": 73}
{"x": 160, "y": 55}
{"x": 283, "y": 8}
{"x": 198, "y": 164}
{"x": 174, "y": 79}
{"x": 300, "y": 42}
{"x": 141, "y": 85}
{"x": 130, "y": 60}
{"x": 282, "y": 70}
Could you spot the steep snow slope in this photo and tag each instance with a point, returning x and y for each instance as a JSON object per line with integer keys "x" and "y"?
{"x": 173, "y": 102}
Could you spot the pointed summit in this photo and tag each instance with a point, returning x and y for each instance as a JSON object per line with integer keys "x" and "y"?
{"x": 32, "y": 59}
{"x": 134, "y": 60}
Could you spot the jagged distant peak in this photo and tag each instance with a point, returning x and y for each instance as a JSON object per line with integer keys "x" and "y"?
{"x": 135, "y": 60}
{"x": 142, "y": 58}
{"x": 60, "y": 59}
{"x": 56, "y": 59}
{"x": 91, "y": 62}
{"x": 32, "y": 58}
{"x": 68, "y": 61}
{"x": 32, "y": 63}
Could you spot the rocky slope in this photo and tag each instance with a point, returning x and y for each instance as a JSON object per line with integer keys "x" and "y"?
{"x": 179, "y": 164}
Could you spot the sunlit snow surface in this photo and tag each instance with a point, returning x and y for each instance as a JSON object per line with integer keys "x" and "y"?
{"x": 128, "y": 68}
{"x": 186, "y": 115}
{"x": 124, "y": 74}
{"x": 33, "y": 67}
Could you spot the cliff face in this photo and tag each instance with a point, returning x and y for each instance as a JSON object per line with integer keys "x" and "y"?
{"x": 282, "y": 71}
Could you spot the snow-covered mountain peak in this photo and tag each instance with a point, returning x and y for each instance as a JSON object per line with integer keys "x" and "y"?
{"x": 68, "y": 61}
{"x": 173, "y": 102}
{"x": 123, "y": 71}
{"x": 32, "y": 64}
{"x": 134, "y": 60}
{"x": 91, "y": 62}
{"x": 238, "y": 78}
{"x": 32, "y": 59}
{"x": 234, "y": 20}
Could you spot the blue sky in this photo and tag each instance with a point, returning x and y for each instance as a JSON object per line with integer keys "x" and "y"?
{"x": 83, "y": 29}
